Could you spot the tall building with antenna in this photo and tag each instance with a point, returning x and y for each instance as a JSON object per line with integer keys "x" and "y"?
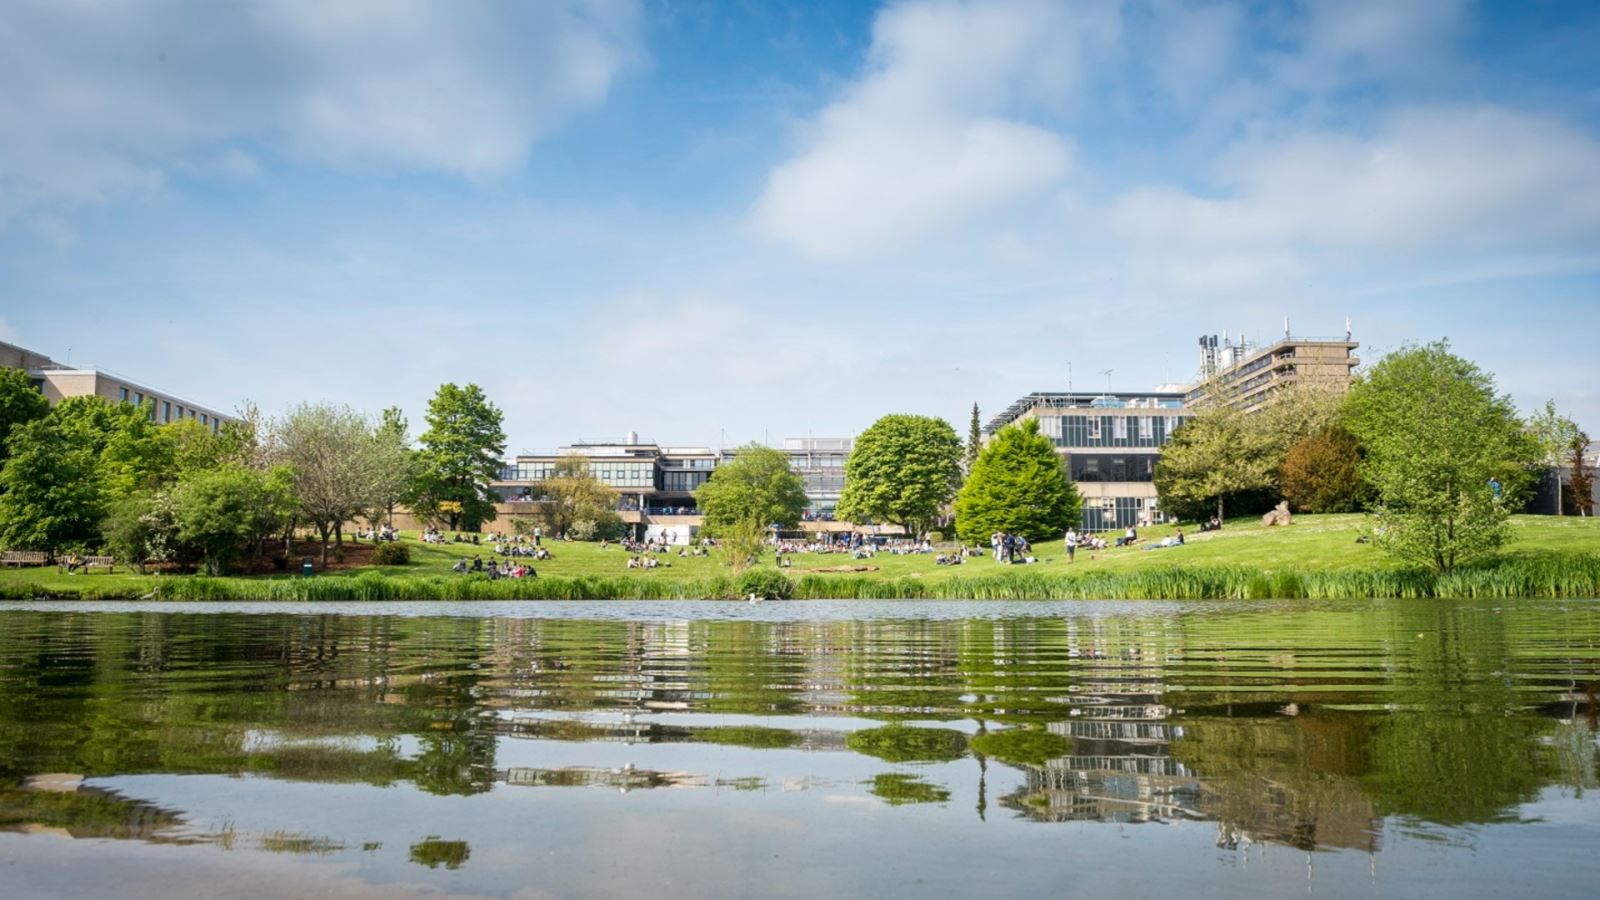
{"x": 1247, "y": 375}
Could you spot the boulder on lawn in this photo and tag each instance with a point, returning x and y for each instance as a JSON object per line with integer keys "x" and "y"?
{"x": 1278, "y": 516}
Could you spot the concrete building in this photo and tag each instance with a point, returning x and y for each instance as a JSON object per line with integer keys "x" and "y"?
{"x": 1110, "y": 444}
{"x": 1247, "y": 375}
{"x": 58, "y": 382}
{"x": 820, "y": 462}
{"x": 655, "y": 484}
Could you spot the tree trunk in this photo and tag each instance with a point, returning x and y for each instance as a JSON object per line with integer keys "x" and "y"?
{"x": 322, "y": 529}
{"x": 1219, "y": 509}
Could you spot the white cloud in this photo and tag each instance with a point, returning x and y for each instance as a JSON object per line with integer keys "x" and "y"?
{"x": 97, "y": 100}
{"x": 936, "y": 130}
{"x": 1428, "y": 184}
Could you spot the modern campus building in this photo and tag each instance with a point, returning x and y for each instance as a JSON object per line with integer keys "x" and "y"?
{"x": 820, "y": 462}
{"x": 1247, "y": 375}
{"x": 1112, "y": 441}
{"x": 58, "y": 382}
{"x": 656, "y": 484}
{"x": 1110, "y": 444}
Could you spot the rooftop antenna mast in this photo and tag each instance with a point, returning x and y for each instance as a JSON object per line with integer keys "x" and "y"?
{"x": 1107, "y": 374}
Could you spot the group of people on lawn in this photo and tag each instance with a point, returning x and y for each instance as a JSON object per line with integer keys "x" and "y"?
{"x": 495, "y": 570}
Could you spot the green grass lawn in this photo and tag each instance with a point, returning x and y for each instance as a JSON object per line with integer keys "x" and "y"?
{"x": 1312, "y": 543}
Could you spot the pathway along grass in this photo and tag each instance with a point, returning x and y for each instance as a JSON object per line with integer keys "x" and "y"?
{"x": 1542, "y": 575}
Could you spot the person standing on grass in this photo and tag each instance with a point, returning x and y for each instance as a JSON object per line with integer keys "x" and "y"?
{"x": 1072, "y": 544}
{"x": 537, "y": 535}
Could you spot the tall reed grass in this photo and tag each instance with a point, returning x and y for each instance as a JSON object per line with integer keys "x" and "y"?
{"x": 1547, "y": 575}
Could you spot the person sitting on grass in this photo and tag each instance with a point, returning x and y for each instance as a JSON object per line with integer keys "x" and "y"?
{"x": 460, "y": 567}
{"x": 1174, "y": 540}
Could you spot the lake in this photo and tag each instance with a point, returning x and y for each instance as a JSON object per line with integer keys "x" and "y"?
{"x": 801, "y": 749}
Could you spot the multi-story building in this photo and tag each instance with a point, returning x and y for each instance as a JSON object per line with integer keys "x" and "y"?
{"x": 58, "y": 382}
{"x": 1246, "y": 375}
{"x": 820, "y": 462}
{"x": 647, "y": 476}
{"x": 1110, "y": 444}
{"x": 656, "y": 484}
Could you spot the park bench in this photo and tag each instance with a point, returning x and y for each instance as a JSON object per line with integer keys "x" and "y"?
{"x": 90, "y": 562}
{"x": 24, "y": 558}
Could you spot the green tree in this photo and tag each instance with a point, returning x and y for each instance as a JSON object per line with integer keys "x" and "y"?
{"x": 1582, "y": 483}
{"x": 142, "y": 529}
{"x": 903, "y": 471}
{"x": 20, "y": 403}
{"x": 396, "y": 464}
{"x": 132, "y": 453}
{"x": 334, "y": 457}
{"x": 974, "y": 441}
{"x": 1019, "y": 485}
{"x": 1321, "y": 473}
{"x": 1554, "y": 434}
{"x": 1212, "y": 458}
{"x": 220, "y": 512}
{"x": 461, "y": 454}
{"x": 756, "y": 485}
{"x": 572, "y": 500}
{"x": 50, "y": 497}
{"x": 1436, "y": 434}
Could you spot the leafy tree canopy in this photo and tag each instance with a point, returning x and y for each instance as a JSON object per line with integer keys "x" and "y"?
{"x": 50, "y": 498}
{"x": 572, "y": 499}
{"x": 903, "y": 471}
{"x": 1019, "y": 485}
{"x": 1436, "y": 434}
{"x": 1321, "y": 473}
{"x": 1213, "y": 457}
{"x": 460, "y": 456}
{"x": 20, "y": 403}
{"x": 756, "y": 485}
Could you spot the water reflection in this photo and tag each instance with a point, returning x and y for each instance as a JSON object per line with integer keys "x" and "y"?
{"x": 1316, "y": 727}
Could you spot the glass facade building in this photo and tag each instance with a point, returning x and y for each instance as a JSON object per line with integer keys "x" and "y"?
{"x": 1110, "y": 444}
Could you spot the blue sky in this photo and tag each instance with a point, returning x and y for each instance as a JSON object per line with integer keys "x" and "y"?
{"x": 723, "y": 222}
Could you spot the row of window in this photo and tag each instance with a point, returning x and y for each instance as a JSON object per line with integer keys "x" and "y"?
{"x": 162, "y": 410}
{"x": 1108, "y": 467}
{"x": 1119, "y": 513}
{"x": 1110, "y": 431}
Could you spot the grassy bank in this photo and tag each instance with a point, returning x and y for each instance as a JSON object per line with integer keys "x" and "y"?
{"x": 1316, "y": 558}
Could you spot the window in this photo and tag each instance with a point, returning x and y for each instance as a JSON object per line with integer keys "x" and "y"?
{"x": 1094, "y": 428}
{"x": 138, "y": 398}
{"x": 204, "y": 420}
{"x": 166, "y": 411}
{"x": 123, "y": 395}
{"x": 1147, "y": 428}
{"x": 1119, "y": 427}
{"x": 180, "y": 410}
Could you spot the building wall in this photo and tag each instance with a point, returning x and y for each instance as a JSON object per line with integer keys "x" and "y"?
{"x": 1290, "y": 361}
{"x": 58, "y": 382}
{"x": 14, "y": 357}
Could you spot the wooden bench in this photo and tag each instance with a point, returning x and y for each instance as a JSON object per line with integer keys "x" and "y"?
{"x": 24, "y": 558}
{"x": 87, "y": 563}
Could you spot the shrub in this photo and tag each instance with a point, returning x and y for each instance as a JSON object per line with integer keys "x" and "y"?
{"x": 1321, "y": 473}
{"x": 766, "y": 584}
{"x": 392, "y": 553}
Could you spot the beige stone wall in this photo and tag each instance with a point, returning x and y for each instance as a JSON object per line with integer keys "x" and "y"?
{"x": 14, "y": 357}
{"x": 59, "y": 386}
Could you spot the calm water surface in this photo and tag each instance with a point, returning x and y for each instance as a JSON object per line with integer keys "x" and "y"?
{"x": 800, "y": 749}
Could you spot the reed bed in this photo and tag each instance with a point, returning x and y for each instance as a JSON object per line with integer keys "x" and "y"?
{"x": 1547, "y": 575}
